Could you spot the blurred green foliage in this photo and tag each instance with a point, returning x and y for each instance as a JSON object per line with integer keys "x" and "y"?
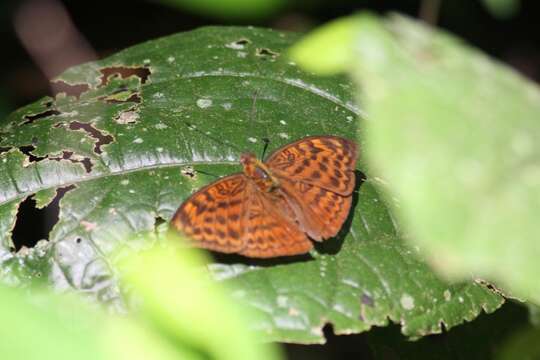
{"x": 438, "y": 132}
{"x": 181, "y": 314}
{"x": 502, "y": 9}
{"x": 230, "y": 9}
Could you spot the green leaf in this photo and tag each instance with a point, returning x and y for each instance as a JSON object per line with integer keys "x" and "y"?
{"x": 502, "y": 8}
{"x": 138, "y": 132}
{"x": 362, "y": 279}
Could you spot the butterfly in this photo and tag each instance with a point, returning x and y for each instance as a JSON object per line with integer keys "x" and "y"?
{"x": 302, "y": 189}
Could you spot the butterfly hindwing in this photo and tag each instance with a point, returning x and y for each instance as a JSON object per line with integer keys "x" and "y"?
{"x": 268, "y": 232}
{"x": 319, "y": 212}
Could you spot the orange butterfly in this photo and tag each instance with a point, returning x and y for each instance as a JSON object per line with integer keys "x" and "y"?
{"x": 302, "y": 188}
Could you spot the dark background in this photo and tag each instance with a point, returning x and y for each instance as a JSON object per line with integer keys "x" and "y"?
{"x": 109, "y": 26}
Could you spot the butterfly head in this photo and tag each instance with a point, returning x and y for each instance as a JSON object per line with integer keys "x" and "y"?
{"x": 257, "y": 171}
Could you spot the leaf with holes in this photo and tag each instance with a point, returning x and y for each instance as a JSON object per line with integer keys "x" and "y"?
{"x": 130, "y": 137}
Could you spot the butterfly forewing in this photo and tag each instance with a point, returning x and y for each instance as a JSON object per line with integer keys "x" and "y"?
{"x": 212, "y": 217}
{"x": 324, "y": 161}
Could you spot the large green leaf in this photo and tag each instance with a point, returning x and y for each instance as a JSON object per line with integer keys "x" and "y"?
{"x": 139, "y": 131}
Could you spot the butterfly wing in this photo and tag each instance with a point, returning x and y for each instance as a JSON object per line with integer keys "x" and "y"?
{"x": 319, "y": 212}
{"x": 324, "y": 161}
{"x": 270, "y": 229}
{"x": 316, "y": 175}
{"x": 212, "y": 217}
{"x": 317, "y": 178}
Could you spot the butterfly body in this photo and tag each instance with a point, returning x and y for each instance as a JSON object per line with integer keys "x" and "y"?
{"x": 303, "y": 188}
{"x": 259, "y": 173}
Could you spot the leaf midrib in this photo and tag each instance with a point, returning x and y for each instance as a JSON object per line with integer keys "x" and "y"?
{"x": 117, "y": 173}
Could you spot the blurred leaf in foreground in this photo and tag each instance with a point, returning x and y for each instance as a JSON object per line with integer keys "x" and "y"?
{"x": 180, "y": 314}
{"x": 227, "y": 9}
{"x": 502, "y": 9}
{"x": 179, "y": 299}
{"x": 453, "y": 133}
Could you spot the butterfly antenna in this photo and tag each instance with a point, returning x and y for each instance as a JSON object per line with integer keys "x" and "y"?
{"x": 253, "y": 114}
{"x": 207, "y": 173}
{"x": 253, "y": 119}
{"x": 266, "y": 142}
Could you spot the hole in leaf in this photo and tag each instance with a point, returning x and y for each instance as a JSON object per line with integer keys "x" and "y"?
{"x": 158, "y": 221}
{"x": 31, "y": 118}
{"x": 238, "y": 44}
{"x": 66, "y": 155}
{"x": 242, "y": 41}
{"x": 27, "y": 150}
{"x": 135, "y": 98}
{"x": 129, "y": 116}
{"x": 35, "y": 224}
{"x": 122, "y": 95}
{"x": 75, "y": 90}
{"x": 124, "y": 72}
{"x": 490, "y": 287}
{"x": 265, "y": 53}
{"x": 101, "y": 139}
{"x": 189, "y": 172}
{"x": 367, "y": 300}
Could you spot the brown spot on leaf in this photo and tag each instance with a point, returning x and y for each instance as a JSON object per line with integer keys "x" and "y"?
{"x": 5, "y": 149}
{"x": 31, "y": 118}
{"x": 75, "y": 90}
{"x": 27, "y": 150}
{"x": 122, "y": 95}
{"x": 124, "y": 72}
{"x": 74, "y": 158}
{"x": 367, "y": 300}
{"x": 266, "y": 54}
{"x": 129, "y": 116}
{"x": 100, "y": 137}
{"x": 65, "y": 155}
{"x": 189, "y": 172}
